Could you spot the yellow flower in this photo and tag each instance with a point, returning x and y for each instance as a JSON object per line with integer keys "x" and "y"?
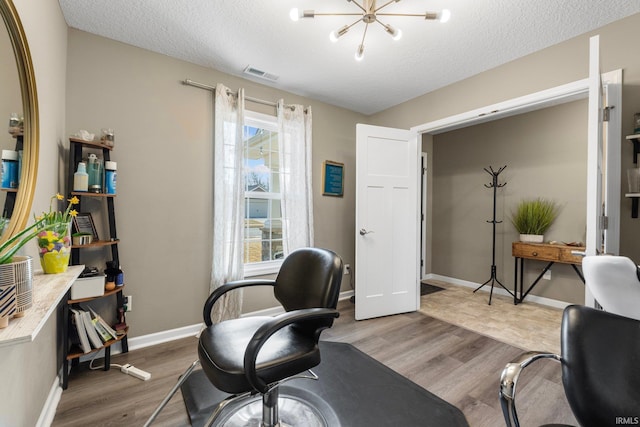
{"x": 73, "y": 212}
{"x": 59, "y": 196}
{"x": 74, "y": 200}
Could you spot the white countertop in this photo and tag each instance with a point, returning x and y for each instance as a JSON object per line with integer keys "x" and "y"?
{"x": 48, "y": 291}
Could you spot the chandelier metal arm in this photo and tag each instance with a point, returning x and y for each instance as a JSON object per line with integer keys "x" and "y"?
{"x": 427, "y": 15}
{"x": 364, "y": 33}
{"x": 333, "y": 14}
{"x": 359, "y": 5}
{"x": 347, "y": 27}
{"x": 385, "y": 5}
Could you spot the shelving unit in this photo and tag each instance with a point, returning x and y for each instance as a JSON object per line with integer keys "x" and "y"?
{"x": 77, "y": 148}
{"x": 635, "y": 140}
{"x": 10, "y": 199}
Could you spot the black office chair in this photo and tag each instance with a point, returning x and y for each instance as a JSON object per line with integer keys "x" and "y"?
{"x": 600, "y": 368}
{"x": 254, "y": 355}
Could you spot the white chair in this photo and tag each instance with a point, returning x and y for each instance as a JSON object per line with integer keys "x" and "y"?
{"x": 614, "y": 283}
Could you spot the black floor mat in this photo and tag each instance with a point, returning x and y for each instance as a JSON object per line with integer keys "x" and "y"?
{"x": 355, "y": 389}
{"x": 426, "y": 289}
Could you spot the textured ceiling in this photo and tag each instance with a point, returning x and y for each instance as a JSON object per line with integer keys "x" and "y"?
{"x": 229, "y": 35}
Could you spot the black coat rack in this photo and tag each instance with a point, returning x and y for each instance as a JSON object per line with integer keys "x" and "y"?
{"x": 494, "y": 184}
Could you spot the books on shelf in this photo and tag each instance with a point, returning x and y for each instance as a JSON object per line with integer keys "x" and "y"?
{"x": 83, "y": 338}
{"x": 94, "y": 338}
{"x": 102, "y": 324}
{"x": 91, "y": 329}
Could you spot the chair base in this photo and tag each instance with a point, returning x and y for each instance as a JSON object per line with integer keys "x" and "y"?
{"x": 293, "y": 412}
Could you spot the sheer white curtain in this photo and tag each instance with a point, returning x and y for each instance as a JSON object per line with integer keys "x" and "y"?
{"x": 228, "y": 199}
{"x": 294, "y": 139}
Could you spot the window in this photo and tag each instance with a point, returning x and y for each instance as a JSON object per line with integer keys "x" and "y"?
{"x": 263, "y": 248}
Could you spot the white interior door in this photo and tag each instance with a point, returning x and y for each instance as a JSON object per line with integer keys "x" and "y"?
{"x": 387, "y": 222}
{"x": 603, "y": 160}
{"x": 596, "y": 169}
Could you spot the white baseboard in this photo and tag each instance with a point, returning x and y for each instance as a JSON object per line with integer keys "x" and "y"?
{"x": 48, "y": 412}
{"x": 193, "y": 330}
{"x": 498, "y": 290}
{"x": 164, "y": 336}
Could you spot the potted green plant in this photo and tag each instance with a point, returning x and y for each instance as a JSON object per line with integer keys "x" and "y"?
{"x": 16, "y": 272}
{"x": 533, "y": 217}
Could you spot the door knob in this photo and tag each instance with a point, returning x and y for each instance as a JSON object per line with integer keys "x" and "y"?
{"x": 363, "y": 232}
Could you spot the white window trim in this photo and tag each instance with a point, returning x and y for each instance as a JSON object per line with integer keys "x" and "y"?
{"x": 263, "y": 268}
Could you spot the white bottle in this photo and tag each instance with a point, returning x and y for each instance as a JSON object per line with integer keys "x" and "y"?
{"x": 81, "y": 178}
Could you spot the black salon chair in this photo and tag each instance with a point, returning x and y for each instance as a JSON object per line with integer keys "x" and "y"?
{"x": 600, "y": 368}
{"x": 254, "y": 355}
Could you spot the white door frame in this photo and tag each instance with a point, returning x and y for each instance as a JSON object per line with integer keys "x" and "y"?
{"x": 424, "y": 190}
{"x": 546, "y": 98}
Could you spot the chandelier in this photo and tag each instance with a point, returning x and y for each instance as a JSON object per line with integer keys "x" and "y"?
{"x": 369, "y": 14}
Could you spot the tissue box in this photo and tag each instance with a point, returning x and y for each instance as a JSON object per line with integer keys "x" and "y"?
{"x": 87, "y": 287}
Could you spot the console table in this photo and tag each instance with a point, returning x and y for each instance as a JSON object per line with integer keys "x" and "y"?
{"x": 551, "y": 253}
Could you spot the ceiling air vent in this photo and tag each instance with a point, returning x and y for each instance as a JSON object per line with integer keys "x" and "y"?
{"x": 260, "y": 74}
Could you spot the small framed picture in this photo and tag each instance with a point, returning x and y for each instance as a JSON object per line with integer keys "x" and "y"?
{"x": 332, "y": 179}
{"x": 83, "y": 223}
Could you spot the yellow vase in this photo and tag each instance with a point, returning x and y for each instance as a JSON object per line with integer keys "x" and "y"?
{"x": 55, "y": 249}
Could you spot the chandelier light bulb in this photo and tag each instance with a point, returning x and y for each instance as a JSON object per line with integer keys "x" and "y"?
{"x": 393, "y": 32}
{"x": 360, "y": 53}
{"x": 294, "y": 14}
{"x": 445, "y": 15}
{"x": 335, "y": 35}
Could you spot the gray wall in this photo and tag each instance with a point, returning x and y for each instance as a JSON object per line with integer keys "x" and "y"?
{"x": 163, "y": 134}
{"x": 559, "y": 64}
{"x": 545, "y": 152}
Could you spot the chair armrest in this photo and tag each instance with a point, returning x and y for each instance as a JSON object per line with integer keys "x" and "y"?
{"x": 509, "y": 381}
{"x": 221, "y": 290}
{"x": 263, "y": 333}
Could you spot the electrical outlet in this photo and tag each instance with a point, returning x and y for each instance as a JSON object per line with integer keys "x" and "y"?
{"x": 547, "y": 275}
{"x": 347, "y": 269}
{"x": 128, "y": 303}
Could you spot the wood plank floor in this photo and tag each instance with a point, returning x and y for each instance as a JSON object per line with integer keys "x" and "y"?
{"x": 454, "y": 363}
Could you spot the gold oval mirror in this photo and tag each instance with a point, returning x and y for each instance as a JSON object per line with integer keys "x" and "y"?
{"x": 18, "y": 95}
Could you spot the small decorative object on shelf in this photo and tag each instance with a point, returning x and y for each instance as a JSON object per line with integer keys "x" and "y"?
{"x": 95, "y": 174}
{"x": 81, "y": 178}
{"x": 107, "y": 137}
{"x": 9, "y": 169}
{"x": 54, "y": 237}
{"x": 112, "y": 272}
{"x": 15, "y": 123}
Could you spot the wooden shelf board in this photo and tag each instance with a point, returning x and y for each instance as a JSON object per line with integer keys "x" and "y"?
{"x": 97, "y": 243}
{"x": 96, "y": 144}
{"x": 9, "y": 190}
{"x": 632, "y": 195}
{"x": 635, "y": 136}
{"x": 75, "y": 352}
{"x": 89, "y": 194}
